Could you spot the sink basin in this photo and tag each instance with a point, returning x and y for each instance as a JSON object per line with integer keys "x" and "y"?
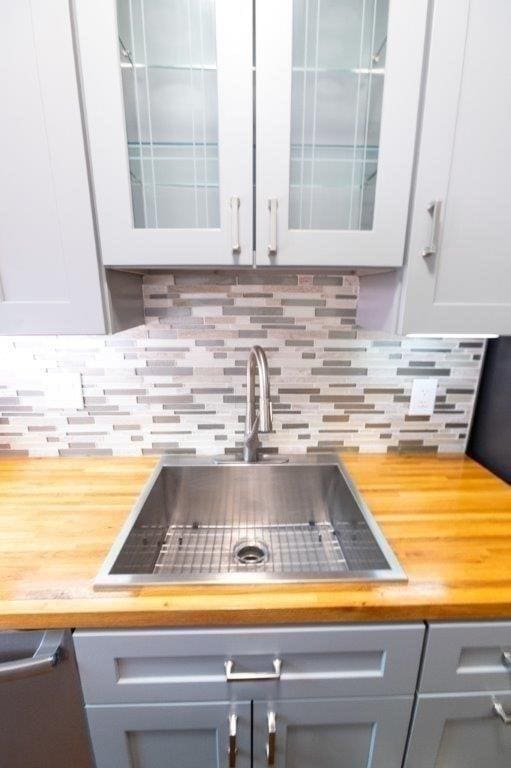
{"x": 197, "y": 521}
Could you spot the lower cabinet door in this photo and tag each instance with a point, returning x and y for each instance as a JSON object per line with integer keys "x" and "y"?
{"x": 331, "y": 733}
{"x": 460, "y": 731}
{"x": 170, "y": 735}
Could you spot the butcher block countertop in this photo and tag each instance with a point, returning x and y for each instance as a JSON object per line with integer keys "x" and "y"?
{"x": 447, "y": 519}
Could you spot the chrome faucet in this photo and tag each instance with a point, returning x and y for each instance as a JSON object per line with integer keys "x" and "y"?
{"x": 261, "y": 421}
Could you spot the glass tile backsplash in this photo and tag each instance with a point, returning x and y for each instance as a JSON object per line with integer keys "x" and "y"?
{"x": 177, "y": 383}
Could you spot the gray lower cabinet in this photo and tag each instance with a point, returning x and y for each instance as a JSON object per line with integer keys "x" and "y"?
{"x": 331, "y": 733}
{"x": 464, "y": 698}
{"x": 331, "y": 696}
{"x": 170, "y": 735}
{"x": 460, "y": 731}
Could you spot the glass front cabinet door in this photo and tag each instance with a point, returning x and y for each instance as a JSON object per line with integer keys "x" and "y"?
{"x": 338, "y": 84}
{"x": 168, "y": 105}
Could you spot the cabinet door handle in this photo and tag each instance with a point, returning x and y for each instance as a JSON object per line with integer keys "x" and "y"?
{"x": 506, "y": 658}
{"x": 235, "y": 225}
{"x": 272, "y": 736}
{"x": 273, "y": 204}
{"x": 231, "y": 676}
{"x": 501, "y": 712}
{"x": 232, "y": 741}
{"x": 434, "y": 209}
{"x": 44, "y": 659}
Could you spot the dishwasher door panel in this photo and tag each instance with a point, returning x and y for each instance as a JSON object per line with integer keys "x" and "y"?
{"x": 42, "y": 718}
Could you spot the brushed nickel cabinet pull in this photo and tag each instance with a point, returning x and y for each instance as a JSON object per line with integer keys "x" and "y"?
{"x": 272, "y": 245}
{"x": 434, "y": 209}
{"x": 231, "y": 676}
{"x": 272, "y": 736}
{"x": 235, "y": 225}
{"x": 232, "y": 751}
{"x": 501, "y": 712}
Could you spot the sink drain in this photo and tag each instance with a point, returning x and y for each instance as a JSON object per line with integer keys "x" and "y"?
{"x": 249, "y": 552}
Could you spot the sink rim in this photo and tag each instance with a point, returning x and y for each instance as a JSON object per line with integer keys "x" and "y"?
{"x": 105, "y": 580}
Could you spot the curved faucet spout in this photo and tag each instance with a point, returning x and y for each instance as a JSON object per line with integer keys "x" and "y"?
{"x": 262, "y": 421}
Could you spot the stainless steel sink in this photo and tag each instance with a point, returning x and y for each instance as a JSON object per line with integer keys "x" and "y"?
{"x": 197, "y": 521}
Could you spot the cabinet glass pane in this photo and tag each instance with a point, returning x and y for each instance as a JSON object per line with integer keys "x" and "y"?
{"x": 167, "y": 52}
{"x": 339, "y": 51}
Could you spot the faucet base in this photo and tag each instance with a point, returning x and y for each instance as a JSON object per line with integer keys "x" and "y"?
{"x": 237, "y": 458}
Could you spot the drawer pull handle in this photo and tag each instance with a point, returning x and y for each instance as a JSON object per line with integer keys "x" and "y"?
{"x": 272, "y": 736}
{"x": 231, "y": 676}
{"x": 232, "y": 751}
{"x": 506, "y": 658}
{"x": 501, "y": 712}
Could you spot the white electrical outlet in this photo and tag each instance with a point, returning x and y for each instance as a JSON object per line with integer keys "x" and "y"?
{"x": 422, "y": 400}
{"x": 63, "y": 390}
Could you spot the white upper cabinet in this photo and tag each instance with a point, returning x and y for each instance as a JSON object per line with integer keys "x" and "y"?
{"x": 168, "y": 100}
{"x": 458, "y": 276}
{"x": 49, "y": 275}
{"x": 338, "y": 86}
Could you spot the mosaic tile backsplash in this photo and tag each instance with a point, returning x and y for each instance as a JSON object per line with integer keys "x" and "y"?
{"x": 177, "y": 384}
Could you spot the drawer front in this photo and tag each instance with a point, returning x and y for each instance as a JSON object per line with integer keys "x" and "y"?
{"x": 190, "y": 665}
{"x": 467, "y": 657}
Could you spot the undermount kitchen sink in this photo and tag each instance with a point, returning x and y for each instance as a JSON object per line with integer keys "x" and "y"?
{"x": 197, "y": 521}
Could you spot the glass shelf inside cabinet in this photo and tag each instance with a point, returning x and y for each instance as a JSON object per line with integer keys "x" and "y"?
{"x": 361, "y": 70}
{"x": 167, "y": 58}
{"x": 338, "y": 75}
{"x": 129, "y": 64}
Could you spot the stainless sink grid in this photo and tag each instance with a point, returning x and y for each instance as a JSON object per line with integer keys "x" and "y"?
{"x": 293, "y": 548}
{"x": 197, "y": 521}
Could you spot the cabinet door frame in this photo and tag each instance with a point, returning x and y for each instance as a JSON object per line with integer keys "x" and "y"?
{"x": 390, "y": 717}
{"x": 109, "y": 726}
{"x": 421, "y": 310}
{"x": 384, "y": 244}
{"x": 122, "y": 244}
{"x": 45, "y": 154}
{"x": 432, "y": 713}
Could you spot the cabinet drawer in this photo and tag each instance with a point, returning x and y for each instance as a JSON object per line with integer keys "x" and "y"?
{"x": 190, "y": 665}
{"x": 467, "y": 657}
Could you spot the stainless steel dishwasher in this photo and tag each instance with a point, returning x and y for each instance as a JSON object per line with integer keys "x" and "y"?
{"x": 42, "y": 719}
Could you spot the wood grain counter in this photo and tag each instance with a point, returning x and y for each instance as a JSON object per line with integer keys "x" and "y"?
{"x": 447, "y": 519}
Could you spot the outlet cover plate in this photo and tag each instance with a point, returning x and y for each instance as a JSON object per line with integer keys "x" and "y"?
{"x": 63, "y": 389}
{"x": 422, "y": 400}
